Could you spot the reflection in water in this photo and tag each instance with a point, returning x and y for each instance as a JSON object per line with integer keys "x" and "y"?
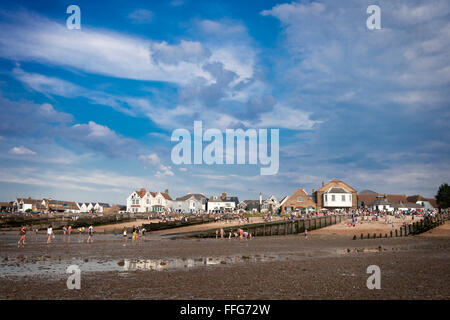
{"x": 177, "y": 263}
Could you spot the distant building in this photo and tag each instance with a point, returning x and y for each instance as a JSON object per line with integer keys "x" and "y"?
{"x": 147, "y": 201}
{"x": 270, "y": 204}
{"x": 298, "y": 201}
{"x": 100, "y": 207}
{"x": 249, "y": 206}
{"x": 336, "y": 194}
{"x": 222, "y": 203}
{"x": 60, "y": 206}
{"x": 366, "y": 198}
{"x": 190, "y": 203}
{"x": 426, "y": 203}
{"x": 24, "y": 204}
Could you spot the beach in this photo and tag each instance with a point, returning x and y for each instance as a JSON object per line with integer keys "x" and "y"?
{"x": 324, "y": 266}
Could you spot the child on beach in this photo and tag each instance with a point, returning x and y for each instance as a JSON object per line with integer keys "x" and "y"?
{"x": 22, "y": 233}
{"x": 125, "y": 235}
{"x": 91, "y": 233}
{"x": 49, "y": 234}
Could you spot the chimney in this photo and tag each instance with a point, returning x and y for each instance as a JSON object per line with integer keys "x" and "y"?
{"x": 166, "y": 191}
{"x": 260, "y": 198}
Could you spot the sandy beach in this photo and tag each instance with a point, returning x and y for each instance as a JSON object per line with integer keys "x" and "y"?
{"x": 365, "y": 227}
{"x": 321, "y": 267}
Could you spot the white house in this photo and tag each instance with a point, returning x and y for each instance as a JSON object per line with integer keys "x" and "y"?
{"x": 24, "y": 204}
{"x": 382, "y": 204}
{"x": 337, "y": 197}
{"x": 190, "y": 203}
{"x": 222, "y": 203}
{"x": 147, "y": 201}
{"x": 270, "y": 204}
{"x": 99, "y": 206}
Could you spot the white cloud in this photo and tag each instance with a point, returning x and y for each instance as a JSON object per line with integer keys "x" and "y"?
{"x": 141, "y": 16}
{"x": 154, "y": 160}
{"x": 104, "y": 52}
{"x": 22, "y": 151}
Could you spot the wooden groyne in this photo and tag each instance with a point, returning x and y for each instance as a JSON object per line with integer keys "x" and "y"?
{"x": 415, "y": 228}
{"x": 13, "y": 222}
{"x": 177, "y": 224}
{"x": 276, "y": 228}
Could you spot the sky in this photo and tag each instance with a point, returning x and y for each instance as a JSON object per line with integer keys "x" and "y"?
{"x": 87, "y": 114}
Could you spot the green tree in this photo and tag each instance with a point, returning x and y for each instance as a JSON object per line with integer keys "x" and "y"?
{"x": 443, "y": 196}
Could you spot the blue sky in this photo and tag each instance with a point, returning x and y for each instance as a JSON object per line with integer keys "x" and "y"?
{"x": 87, "y": 114}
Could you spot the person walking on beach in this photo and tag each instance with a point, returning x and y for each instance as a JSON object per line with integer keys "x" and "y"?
{"x": 133, "y": 236}
{"x": 125, "y": 235}
{"x": 221, "y": 233}
{"x": 64, "y": 230}
{"x": 22, "y": 234}
{"x": 91, "y": 233}
{"x": 49, "y": 234}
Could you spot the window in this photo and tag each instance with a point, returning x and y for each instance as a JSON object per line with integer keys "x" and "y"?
{"x": 343, "y": 197}
{"x": 333, "y": 197}
{"x": 299, "y": 199}
{"x": 326, "y": 198}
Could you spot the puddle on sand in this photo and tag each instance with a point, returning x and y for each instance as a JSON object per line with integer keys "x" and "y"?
{"x": 365, "y": 250}
{"x": 186, "y": 263}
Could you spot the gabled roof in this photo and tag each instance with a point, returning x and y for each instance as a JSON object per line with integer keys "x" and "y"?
{"x": 337, "y": 190}
{"x": 336, "y": 183}
{"x": 197, "y": 196}
{"x": 166, "y": 196}
{"x": 369, "y": 198}
{"x": 366, "y": 191}
{"x": 28, "y": 200}
{"x": 105, "y": 205}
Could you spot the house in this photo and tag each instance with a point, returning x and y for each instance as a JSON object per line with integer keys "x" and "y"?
{"x": 100, "y": 207}
{"x": 60, "y": 206}
{"x": 190, "y": 203}
{"x": 336, "y": 194}
{"x": 147, "y": 201}
{"x": 426, "y": 203}
{"x": 271, "y": 204}
{"x": 367, "y": 197}
{"x": 250, "y": 206}
{"x": 6, "y": 206}
{"x": 28, "y": 204}
{"x": 381, "y": 203}
{"x": 298, "y": 201}
{"x": 222, "y": 203}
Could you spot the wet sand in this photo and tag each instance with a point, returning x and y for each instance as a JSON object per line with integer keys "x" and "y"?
{"x": 320, "y": 267}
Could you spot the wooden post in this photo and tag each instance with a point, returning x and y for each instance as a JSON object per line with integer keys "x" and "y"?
{"x": 264, "y": 229}
{"x": 396, "y": 233}
{"x": 286, "y": 228}
{"x": 368, "y": 236}
{"x": 362, "y": 236}
{"x": 391, "y": 233}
